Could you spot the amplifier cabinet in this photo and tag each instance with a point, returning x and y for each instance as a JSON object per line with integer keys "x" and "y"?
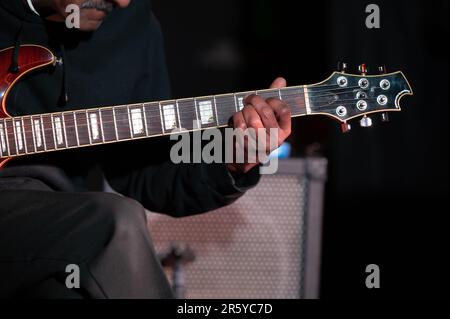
{"x": 267, "y": 244}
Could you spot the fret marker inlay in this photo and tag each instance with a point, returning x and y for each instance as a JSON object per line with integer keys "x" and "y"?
{"x": 240, "y": 103}
{"x": 2, "y": 138}
{"x": 37, "y": 133}
{"x": 137, "y": 121}
{"x": 19, "y": 135}
{"x": 94, "y": 126}
{"x": 206, "y": 112}
{"x": 59, "y": 131}
{"x": 170, "y": 121}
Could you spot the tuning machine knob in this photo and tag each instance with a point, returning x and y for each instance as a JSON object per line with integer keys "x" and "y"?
{"x": 366, "y": 121}
{"x": 343, "y": 67}
{"x": 345, "y": 127}
{"x": 385, "y": 117}
{"x": 362, "y": 69}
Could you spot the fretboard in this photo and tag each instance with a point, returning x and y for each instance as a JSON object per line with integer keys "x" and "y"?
{"x": 32, "y": 134}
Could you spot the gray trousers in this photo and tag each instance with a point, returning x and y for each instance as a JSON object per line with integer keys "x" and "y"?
{"x": 105, "y": 235}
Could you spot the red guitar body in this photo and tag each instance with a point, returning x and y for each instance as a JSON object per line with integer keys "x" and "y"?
{"x": 31, "y": 57}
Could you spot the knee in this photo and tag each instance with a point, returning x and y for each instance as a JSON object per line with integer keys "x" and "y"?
{"x": 124, "y": 214}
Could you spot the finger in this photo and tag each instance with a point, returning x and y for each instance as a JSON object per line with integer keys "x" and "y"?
{"x": 252, "y": 118}
{"x": 278, "y": 83}
{"x": 239, "y": 121}
{"x": 239, "y": 124}
{"x": 264, "y": 110}
{"x": 240, "y": 140}
{"x": 282, "y": 113}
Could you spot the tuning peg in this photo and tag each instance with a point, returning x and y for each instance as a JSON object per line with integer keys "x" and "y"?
{"x": 345, "y": 127}
{"x": 343, "y": 67}
{"x": 362, "y": 69}
{"x": 382, "y": 69}
{"x": 366, "y": 121}
{"x": 385, "y": 117}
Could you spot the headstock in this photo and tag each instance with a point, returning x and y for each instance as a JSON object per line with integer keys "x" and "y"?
{"x": 346, "y": 96}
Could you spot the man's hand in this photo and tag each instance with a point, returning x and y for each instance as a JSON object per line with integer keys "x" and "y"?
{"x": 262, "y": 114}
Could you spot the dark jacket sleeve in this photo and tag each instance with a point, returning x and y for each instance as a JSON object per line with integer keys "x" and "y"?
{"x": 147, "y": 174}
{"x": 182, "y": 189}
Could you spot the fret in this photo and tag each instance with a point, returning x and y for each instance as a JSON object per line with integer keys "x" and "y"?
{"x": 307, "y": 101}
{"x": 19, "y": 135}
{"x": 88, "y": 127}
{"x": 145, "y": 120}
{"x": 123, "y": 123}
{"x": 42, "y": 131}
{"x": 206, "y": 112}
{"x": 3, "y": 140}
{"x": 109, "y": 124}
{"x": 81, "y": 121}
{"x": 178, "y": 115}
{"x": 70, "y": 129}
{"x": 169, "y": 116}
{"x": 10, "y": 136}
{"x": 226, "y": 107}
{"x": 115, "y": 124}
{"x": 137, "y": 120}
{"x": 64, "y": 129}
{"x": 18, "y": 147}
{"x": 24, "y": 135}
{"x": 33, "y": 135}
{"x": 130, "y": 126}
{"x": 28, "y": 134}
{"x": 295, "y": 98}
{"x": 162, "y": 119}
{"x": 188, "y": 117}
{"x": 101, "y": 125}
{"x": 76, "y": 128}
{"x": 94, "y": 126}
{"x": 53, "y": 131}
{"x": 153, "y": 119}
{"x": 215, "y": 109}
{"x": 59, "y": 131}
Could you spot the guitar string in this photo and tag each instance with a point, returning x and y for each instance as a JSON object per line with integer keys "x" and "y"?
{"x": 49, "y": 136}
{"x": 231, "y": 105}
{"x": 286, "y": 96}
{"x": 105, "y": 118}
{"x": 109, "y": 119}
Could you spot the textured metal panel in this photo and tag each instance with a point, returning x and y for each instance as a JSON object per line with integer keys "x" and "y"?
{"x": 253, "y": 248}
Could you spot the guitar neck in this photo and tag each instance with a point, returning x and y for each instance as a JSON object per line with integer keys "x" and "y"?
{"x": 40, "y": 133}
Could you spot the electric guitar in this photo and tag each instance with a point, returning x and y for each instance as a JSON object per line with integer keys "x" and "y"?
{"x": 341, "y": 96}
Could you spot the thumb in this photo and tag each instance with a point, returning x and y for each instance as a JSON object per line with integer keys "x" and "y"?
{"x": 278, "y": 83}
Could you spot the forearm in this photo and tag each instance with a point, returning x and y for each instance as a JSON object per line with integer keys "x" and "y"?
{"x": 183, "y": 189}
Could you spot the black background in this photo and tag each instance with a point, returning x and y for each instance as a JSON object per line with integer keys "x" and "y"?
{"x": 386, "y": 199}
